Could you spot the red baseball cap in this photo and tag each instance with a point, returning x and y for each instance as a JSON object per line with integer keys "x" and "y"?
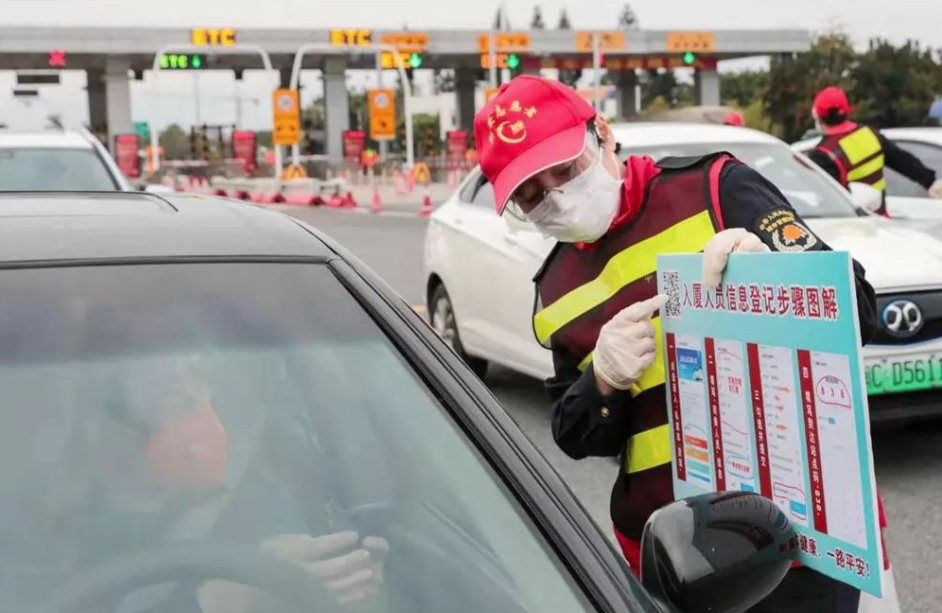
{"x": 831, "y": 98}
{"x": 530, "y": 125}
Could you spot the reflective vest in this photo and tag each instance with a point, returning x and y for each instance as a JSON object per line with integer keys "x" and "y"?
{"x": 578, "y": 291}
{"x": 858, "y": 156}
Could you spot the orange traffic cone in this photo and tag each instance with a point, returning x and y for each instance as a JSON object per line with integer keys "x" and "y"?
{"x": 426, "y": 204}
{"x": 377, "y": 202}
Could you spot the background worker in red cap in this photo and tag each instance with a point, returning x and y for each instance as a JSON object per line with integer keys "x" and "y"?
{"x": 552, "y": 161}
{"x": 850, "y": 152}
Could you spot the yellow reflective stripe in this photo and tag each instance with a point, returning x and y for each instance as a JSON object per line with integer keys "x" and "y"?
{"x": 874, "y": 165}
{"x": 629, "y": 265}
{"x": 879, "y": 185}
{"x": 860, "y": 145}
{"x": 649, "y": 449}
{"x": 653, "y": 374}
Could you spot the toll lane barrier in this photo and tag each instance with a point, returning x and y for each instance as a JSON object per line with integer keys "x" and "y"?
{"x": 302, "y": 192}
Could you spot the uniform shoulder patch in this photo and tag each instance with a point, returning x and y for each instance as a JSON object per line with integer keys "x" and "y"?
{"x": 785, "y": 232}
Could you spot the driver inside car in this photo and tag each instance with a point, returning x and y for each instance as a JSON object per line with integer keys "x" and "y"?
{"x": 162, "y": 471}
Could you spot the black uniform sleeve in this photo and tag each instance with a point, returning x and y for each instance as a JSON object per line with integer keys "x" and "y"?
{"x": 906, "y": 163}
{"x": 585, "y": 423}
{"x": 748, "y": 200}
{"x": 823, "y": 160}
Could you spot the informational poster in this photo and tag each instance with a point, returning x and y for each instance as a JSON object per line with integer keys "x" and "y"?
{"x": 127, "y": 154}
{"x": 245, "y": 149}
{"x": 766, "y": 394}
{"x": 354, "y": 143}
{"x": 457, "y": 148}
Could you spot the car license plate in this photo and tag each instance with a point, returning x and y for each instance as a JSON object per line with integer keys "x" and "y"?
{"x": 905, "y": 373}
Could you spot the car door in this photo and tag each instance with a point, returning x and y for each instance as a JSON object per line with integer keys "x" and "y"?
{"x": 493, "y": 294}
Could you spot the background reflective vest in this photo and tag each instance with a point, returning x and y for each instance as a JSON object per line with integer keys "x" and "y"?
{"x": 858, "y": 156}
{"x": 578, "y": 291}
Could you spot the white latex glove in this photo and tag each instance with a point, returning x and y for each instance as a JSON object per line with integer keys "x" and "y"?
{"x": 351, "y": 576}
{"x": 935, "y": 190}
{"x": 717, "y": 250}
{"x": 626, "y": 344}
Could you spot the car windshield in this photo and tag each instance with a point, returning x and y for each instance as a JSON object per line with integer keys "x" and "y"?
{"x": 52, "y": 169}
{"x": 810, "y": 193}
{"x": 172, "y": 433}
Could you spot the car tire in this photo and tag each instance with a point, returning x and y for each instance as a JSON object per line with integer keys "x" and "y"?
{"x": 443, "y": 321}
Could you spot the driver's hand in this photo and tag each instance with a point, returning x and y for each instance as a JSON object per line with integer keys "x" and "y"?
{"x": 350, "y": 569}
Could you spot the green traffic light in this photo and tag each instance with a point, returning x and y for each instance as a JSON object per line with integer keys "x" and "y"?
{"x": 690, "y": 57}
{"x": 196, "y": 62}
{"x": 415, "y": 60}
{"x": 513, "y": 61}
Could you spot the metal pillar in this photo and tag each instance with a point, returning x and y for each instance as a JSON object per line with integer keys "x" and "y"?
{"x": 625, "y": 89}
{"x": 465, "y": 81}
{"x": 707, "y": 87}
{"x": 337, "y": 106}
{"x": 97, "y": 101}
{"x": 118, "y": 98}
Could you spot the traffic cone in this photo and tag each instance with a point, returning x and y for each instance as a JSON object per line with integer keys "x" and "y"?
{"x": 377, "y": 203}
{"x": 426, "y": 204}
{"x": 452, "y": 179}
{"x": 399, "y": 184}
{"x": 349, "y": 202}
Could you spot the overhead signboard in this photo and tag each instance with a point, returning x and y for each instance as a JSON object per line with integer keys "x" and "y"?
{"x": 608, "y": 41}
{"x": 182, "y": 61}
{"x": 382, "y": 114}
{"x": 213, "y": 37}
{"x": 681, "y": 42}
{"x": 505, "y": 41}
{"x": 389, "y": 60}
{"x": 351, "y": 37}
{"x": 631, "y": 63}
{"x": 406, "y": 42}
{"x": 287, "y": 122}
{"x": 502, "y": 60}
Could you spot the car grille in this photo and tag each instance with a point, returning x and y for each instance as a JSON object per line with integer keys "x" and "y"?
{"x": 929, "y": 303}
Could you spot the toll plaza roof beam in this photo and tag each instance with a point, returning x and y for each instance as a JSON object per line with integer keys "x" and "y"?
{"x": 330, "y": 48}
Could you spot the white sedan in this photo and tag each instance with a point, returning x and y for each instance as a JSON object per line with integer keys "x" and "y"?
{"x": 480, "y": 266}
{"x": 905, "y": 197}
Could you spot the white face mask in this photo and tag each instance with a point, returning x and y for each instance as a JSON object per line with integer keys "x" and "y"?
{"x": 581, "y": 210}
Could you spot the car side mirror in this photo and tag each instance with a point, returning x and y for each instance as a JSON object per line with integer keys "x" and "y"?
{"x": 865, "y": 196}
{"x": 716, "y": 553}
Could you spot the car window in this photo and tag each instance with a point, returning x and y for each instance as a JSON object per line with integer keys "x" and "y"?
{"x": 146, "y": 410}
{"x": 50, "y": 169}
{"x": 904, "y": 187}
{"x": 810, "y": 193}
{"x": 478, "y": 192}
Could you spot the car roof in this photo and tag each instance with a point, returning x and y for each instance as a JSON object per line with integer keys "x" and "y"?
{"x": 45, "y": 139}
{"x": 925, "y": 135}
{"x": 44, "y": 226}
{"x": 643, "y": 134}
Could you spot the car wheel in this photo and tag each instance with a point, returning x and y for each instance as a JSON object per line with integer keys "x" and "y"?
{"x": 442, "y": 316}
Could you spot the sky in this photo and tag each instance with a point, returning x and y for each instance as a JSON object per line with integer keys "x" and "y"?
{"x": 896, "y": 20}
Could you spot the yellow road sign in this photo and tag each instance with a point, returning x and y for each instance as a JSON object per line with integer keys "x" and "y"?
{"x": 421, "y": 174}
{"x": 382, "y": 114}
{"x": 213, "y": 37}
{"x": 608, "y": 41}
{"x": 507, "y": 41}
{"x": 294, "y": 171}
{"x": 681, "y": 42}
{"x": 286, "y": 126}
